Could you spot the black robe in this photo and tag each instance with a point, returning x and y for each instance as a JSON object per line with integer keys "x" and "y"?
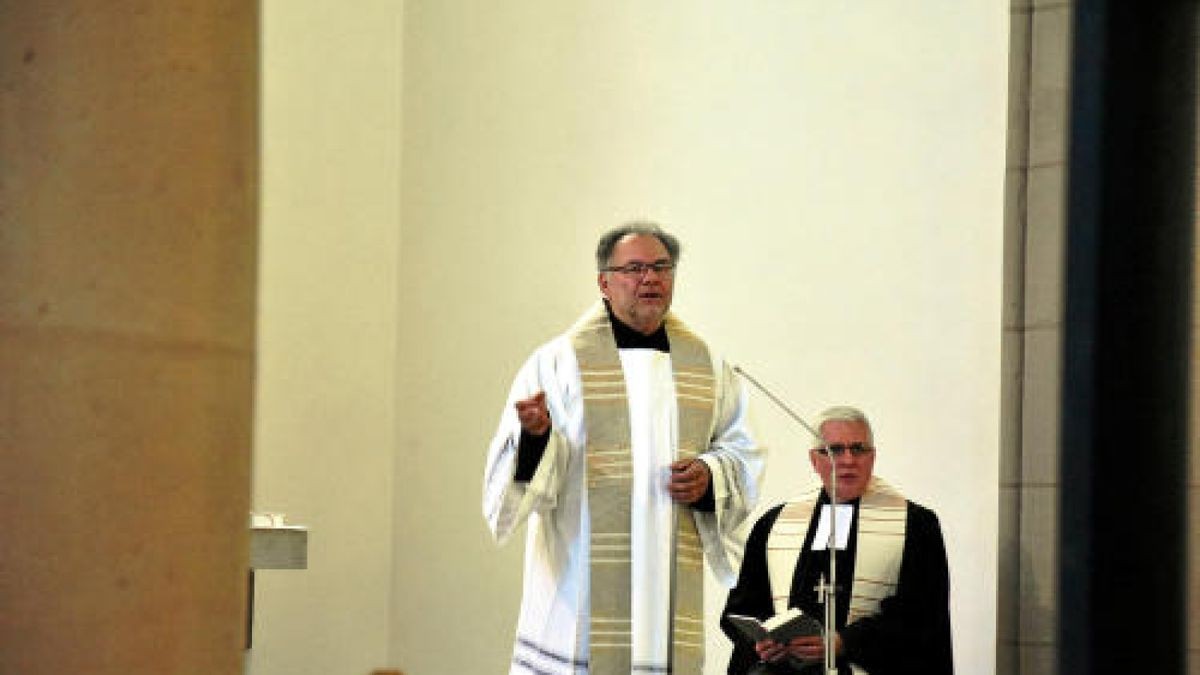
{"x": 911, "y": 632}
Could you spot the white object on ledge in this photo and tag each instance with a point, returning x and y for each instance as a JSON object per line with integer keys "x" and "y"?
{"x": 275, "y": 545}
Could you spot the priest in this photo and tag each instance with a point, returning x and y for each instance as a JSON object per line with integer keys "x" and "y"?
{"x": 892, "y": 585}
{"x": 624, "y": 447}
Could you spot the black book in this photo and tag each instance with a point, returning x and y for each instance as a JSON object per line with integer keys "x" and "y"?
{"x": 780, "y": 628}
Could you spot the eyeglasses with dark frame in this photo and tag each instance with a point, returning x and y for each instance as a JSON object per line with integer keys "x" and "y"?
{"x": 638, "y": 269}
{"x": 835, "y": 449}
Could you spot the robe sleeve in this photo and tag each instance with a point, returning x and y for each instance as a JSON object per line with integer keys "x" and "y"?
{"x": 751, "y": 596}
{"x": 507, "y": 501}
{"x": 911, "y": 632}
{"x": 736, "y": 463}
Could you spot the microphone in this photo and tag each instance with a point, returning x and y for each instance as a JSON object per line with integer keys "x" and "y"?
{"x": 775, "y": 399}
{"x": 828, "y": 592}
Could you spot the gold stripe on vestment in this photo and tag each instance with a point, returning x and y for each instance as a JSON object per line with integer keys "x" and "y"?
{"x": 609, "y": 479}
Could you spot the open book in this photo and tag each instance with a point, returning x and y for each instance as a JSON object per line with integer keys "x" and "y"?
{"x": 780, "y": 628}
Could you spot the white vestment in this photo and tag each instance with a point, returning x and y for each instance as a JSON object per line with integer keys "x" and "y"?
{"x": 552, "y": 631}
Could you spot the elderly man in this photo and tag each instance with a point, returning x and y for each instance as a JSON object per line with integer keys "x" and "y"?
{"x": 893, "y": 587}
{"x": 624, "y": 443}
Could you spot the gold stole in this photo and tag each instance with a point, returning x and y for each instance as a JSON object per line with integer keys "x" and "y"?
{"x": 882, "y": 520}
{"x": 610, "y": 479}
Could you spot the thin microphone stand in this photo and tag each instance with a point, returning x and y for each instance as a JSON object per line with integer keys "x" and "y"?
{"x": 829, "y": 593}
{"x": 826, "y": 593}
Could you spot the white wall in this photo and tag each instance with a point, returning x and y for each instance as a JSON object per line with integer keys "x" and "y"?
{"x": 835, "y": 172}
{"x": 326, "y": 389}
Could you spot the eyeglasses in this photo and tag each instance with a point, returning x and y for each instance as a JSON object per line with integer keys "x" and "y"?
{"x": 835, "y": 449}
{"x": 637, "y": 269}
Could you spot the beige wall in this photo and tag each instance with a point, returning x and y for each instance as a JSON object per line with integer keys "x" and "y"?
{"x": 836, "y": 174}
{"x": 326, "y": 408}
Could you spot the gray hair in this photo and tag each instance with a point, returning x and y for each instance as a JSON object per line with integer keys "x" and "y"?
{"x": 609, "y": 241}
{"x": 843, "y": 413}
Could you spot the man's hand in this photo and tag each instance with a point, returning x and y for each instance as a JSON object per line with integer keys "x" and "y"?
{"x": 770, "y": 650}
{"x": 532, "y": 412}
{"x": 812, "y": 647}
{"x": 689, "y": 480}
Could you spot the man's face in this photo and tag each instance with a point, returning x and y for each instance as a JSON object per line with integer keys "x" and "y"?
{"x": 639, "y": 300}
{"x": 853, "y": 470}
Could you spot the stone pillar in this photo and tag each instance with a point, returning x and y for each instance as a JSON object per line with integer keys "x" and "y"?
{"x": 1035, "y": 225}
{"x": 1050, "y": 621}
{"x": 128, "y": 230}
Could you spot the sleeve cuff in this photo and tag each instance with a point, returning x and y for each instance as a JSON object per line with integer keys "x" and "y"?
{"x": 708, "y": 501}
{"x": 530, "y": 449}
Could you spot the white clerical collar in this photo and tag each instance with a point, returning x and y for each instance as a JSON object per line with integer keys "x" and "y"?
{"x": 845, "y": 514}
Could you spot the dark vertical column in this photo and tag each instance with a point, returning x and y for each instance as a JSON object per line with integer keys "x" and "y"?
{"x": 1126, "y": 339}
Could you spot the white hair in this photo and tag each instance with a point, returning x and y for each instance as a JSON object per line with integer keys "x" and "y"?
{"x": 843, "y": 413}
